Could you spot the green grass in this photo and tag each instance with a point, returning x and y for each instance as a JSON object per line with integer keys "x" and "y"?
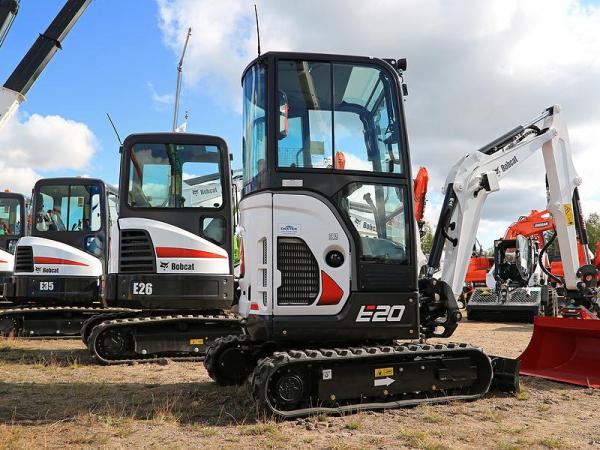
{"x": 259, "y": 429}
{"x": 353, "y": 425}
{"x": 552, "y": 442}
{"x": 522, "y": 395}
{"x": 434, "y": 418}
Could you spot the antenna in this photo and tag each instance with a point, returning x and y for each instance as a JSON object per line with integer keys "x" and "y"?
{"x": 257, "y": 28}
{"x": 114, "y": 128}
{"x": 179, "y": 73}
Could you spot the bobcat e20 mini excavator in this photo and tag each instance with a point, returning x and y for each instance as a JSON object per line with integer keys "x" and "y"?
{"x": 324, "y": 298}
{"x": 171, "y": 252}
{"x": 12, "y": 228}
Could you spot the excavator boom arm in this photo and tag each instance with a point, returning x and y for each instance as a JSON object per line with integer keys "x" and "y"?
{"x": 478, "y": 174}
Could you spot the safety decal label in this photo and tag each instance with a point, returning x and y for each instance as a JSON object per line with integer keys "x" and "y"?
{"x": 384, "y": 372}
{"x": 569, "y": 214}
{"x": 196, "y": 341}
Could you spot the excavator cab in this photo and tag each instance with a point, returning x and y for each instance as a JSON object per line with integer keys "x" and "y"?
{"x": 174, "y": 243}
{"x": 322, "y": 240}
{"x": 12, "y": 228}
{"x": 515, "y": 260}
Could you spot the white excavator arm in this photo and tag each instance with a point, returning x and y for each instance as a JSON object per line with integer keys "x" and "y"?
{"x": 480, "y": 173}
{"x": 9, "y": 103}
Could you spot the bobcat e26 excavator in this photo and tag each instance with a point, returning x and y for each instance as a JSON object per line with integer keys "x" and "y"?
{"x": 171, "y": 252}
{"x": 323, "y": 300}
{"x": 12, "y": 228}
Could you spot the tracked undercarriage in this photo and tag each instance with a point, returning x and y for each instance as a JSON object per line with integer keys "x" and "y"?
{"x": 300, "y": 382}
{"x": 50, "y": 321}
{"x": 126, "y": 337}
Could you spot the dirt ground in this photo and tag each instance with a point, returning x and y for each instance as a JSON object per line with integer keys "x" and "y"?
{"x": 52, "y": 395}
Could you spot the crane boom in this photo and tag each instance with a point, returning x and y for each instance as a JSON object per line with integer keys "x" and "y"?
{"x": 478, "y": 174}
{"x": 39, "y": 55}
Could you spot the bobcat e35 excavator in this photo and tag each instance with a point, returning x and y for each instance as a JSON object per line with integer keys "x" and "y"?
{"x": 323, "y": 298}
{"x": 59, "y": 267}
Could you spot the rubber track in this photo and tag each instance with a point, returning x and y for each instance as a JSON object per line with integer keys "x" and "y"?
{"x": 210, "y": 362}
{"x": 134, "y": 321}
{"x": 266, "y": 367}
{"x": 99, "y": 318}
{"x": 18, "y": 310}
{"x": 22, "y": 309}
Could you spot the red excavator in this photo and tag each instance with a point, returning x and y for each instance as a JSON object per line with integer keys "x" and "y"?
{"x": 521, "y": 300}
{"x": 479, "y": 266}
{"x": 556, "y": 266}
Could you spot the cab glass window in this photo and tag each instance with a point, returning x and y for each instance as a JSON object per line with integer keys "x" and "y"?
{"x": 378, "y": 214}
{"x": 254, "y": 118}
{"x": 10, "y": 217}
{"x": 337, "y": 116}
{"x": 305, "y": 96}
{"x": 68, "y": 208}
{"x": 175, "y": 176}
{"x": 113, "y": 207}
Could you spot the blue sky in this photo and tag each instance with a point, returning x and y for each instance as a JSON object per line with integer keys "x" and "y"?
{"x": 109, "y": 62}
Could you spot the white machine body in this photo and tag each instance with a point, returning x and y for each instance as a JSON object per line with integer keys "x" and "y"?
{"x": 57, "y": 259}
{"x": 7, "y": 261}
{"x": 176, "y": 250}
{"x": 296, "y": 217}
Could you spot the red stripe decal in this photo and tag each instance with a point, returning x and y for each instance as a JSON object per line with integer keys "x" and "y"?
{"x": 176, "y": 252}
{"x": 2, "y": 261}
{"x": 57, "y": 261}
{"x": 331, "y": 293}
{"x": 370, "y": 307}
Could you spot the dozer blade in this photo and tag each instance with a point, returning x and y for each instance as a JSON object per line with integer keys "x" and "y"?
{"x": 566, "y": 350}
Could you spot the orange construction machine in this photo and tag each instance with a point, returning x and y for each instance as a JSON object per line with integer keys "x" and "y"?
{"x": 419, "y": 193}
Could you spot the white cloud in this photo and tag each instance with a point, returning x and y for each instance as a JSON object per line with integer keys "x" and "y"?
{"x": 41, "y": 143}
{"x": 161, "y": 100}
{"x": 475, "y": 70}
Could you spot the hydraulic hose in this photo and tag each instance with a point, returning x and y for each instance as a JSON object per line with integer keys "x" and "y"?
{"x": 541, "y": 262}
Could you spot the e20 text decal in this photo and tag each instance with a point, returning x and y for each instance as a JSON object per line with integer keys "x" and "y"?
{"x": 380, "y": 313}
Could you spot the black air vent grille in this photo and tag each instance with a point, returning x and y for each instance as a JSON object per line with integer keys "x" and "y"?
{"x": 299, "y": 273}
{"x": 137, "y": 252}
{"x": 24, "y": 259}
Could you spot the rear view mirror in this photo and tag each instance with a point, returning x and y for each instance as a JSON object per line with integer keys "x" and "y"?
{"x": 283, "y": 115}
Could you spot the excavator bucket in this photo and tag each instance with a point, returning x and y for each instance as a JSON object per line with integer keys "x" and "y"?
{"x": 565, "y": 350}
